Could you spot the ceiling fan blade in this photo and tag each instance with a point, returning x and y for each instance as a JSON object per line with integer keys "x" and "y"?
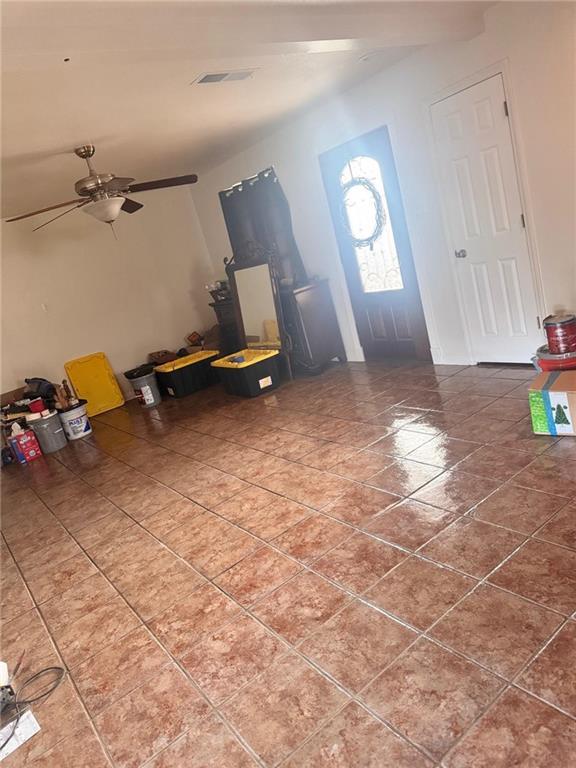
{"x": 84, "y": 202}
{"x": 176, "y": 181}
{"x": 131, "y": 206}
{"x": 44, "y": 210}
{"x": 118, "y": 184}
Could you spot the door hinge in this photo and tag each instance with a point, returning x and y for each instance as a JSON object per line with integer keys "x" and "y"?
{"x": 506, "y": 112}
{"x": 523, "y": 220}
{"x": 538, "y": 321}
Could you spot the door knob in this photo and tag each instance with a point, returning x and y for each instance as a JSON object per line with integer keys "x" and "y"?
{"x": 461, "y": 254}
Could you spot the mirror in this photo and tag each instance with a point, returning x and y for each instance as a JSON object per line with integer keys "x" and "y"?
{"x": 257, "y": 306}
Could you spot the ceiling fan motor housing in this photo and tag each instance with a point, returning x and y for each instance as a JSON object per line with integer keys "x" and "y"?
{"x": 89, "y": 185}
{"x": 92, "y": 185}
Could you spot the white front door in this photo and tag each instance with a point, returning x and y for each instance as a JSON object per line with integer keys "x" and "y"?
{"x": 486, "y": 228}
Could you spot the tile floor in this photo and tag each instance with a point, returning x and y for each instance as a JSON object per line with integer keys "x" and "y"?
{"x": 373, "y": 568}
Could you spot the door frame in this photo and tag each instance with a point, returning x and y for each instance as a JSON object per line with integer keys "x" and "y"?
{"x": 502, "y": 68}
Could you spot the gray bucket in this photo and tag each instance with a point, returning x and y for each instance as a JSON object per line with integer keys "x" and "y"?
{"x": 146, "y": 390}
{"x": 49, "y": 432}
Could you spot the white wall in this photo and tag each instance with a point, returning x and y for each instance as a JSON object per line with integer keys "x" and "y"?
{"x": 537, "y": 42}
{"x": 71, "y": 289}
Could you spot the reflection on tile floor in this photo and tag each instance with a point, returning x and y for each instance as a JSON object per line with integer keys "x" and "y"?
{"x": 374, "y": 568}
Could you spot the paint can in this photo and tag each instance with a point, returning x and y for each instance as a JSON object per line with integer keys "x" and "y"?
{"x": 75, "y": 421}
{"x": 561, "y": 333}
{"x": 48, "y": 430}
{"x": 545, "y": 361}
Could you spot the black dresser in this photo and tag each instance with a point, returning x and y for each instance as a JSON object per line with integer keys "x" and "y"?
{"x": 312, "y": 326}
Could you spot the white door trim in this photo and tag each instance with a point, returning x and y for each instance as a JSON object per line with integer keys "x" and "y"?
{"x": 498, "y": 68}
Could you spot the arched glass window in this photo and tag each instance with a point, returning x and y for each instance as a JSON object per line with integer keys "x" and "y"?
{"x": 366, "y": 208}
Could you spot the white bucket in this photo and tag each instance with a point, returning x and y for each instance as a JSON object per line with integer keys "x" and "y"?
{"x": 75, "y": 422}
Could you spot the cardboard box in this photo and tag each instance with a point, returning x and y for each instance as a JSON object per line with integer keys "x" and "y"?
{"x": 25, "y": 447}
{"x": 552, "y": 398}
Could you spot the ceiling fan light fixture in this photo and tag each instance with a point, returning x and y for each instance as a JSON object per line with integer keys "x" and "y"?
{"x": 106, "y": 210}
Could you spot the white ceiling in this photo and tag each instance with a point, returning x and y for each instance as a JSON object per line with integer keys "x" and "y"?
{"x": 127, "y": 87}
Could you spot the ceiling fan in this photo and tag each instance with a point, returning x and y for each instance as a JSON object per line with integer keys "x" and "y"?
{"x": 105, "y": 194}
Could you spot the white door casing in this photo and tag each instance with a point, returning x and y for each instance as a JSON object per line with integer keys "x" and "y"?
{"x": 483, "y": 210}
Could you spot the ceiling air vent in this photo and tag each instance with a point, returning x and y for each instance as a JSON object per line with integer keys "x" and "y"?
{"x": 223, "y": 77}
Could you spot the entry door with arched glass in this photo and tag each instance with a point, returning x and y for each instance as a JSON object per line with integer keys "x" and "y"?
{"x": 364, "y": 195}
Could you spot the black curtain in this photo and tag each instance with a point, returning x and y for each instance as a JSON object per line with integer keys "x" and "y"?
{"x": 259, "y": 223}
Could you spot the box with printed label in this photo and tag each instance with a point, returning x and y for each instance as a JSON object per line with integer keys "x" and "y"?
{"x": 25, "y": 447}
{"x": 552, "y": 397}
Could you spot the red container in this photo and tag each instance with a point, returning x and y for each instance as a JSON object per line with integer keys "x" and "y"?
{"x": 551, "y": 362}
{"x": 37, "y": 406}
{"x": 561, "y": 333}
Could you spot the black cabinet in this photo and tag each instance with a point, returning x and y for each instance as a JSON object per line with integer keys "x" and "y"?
{"x": 311, "y": 324}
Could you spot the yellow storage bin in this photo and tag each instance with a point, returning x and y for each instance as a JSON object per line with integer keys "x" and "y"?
{"x": 251, "y": 357}
{"x": 257, "y": 372}
{"x": 182, "y": 362}
{"x": 188, "y": 374}
{"x": 93, "y": 380}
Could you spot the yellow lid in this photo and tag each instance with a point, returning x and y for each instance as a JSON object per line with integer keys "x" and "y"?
{"x": 94, "y": 381}
{"x": 182, "y": 362}
{"x": 251, "y": 357}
